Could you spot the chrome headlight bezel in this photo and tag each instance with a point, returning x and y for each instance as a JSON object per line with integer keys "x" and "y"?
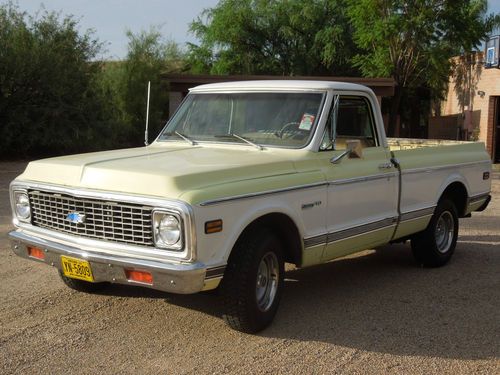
{"x": 20, "y": 200}
{"x": 158, "y": 217}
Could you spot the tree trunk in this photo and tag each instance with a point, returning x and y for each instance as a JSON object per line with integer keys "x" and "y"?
{"x": 394, "y": 112}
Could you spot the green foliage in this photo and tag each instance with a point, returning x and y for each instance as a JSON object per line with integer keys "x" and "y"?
{"x": 48, "y": 101}
{"x": 148, "y": 57}
{"x": 57, "y": 98}
{"x": 125, "y": 83}
{"x": 282, "y": 37}
{"x": 413, "y": 41}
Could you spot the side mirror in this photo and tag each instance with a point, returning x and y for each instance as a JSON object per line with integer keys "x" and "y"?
{"x": 354, "y": 145}
{"x": 353, "y": 149}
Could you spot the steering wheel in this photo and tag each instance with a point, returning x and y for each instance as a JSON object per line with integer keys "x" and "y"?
{"x": 279, "y": 133}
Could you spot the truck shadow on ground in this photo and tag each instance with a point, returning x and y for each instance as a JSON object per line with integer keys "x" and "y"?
{"x": 382, "y": 302}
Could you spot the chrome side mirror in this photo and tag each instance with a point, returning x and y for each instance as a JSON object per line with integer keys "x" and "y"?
{"x": 353, "y": 149}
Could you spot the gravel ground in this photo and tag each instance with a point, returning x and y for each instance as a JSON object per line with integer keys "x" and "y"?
{"x": 369, "y": 314}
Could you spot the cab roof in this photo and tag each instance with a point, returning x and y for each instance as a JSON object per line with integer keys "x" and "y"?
{"x": 280, "y": 85}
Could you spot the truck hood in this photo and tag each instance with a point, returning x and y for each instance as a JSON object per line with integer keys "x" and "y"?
{"x": 162, "y": 170}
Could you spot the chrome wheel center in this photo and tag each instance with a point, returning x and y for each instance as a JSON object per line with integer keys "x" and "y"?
{"x": 267, "y": 281}
{"x": 445, "y": 230}
{"x": 261, "y": 281}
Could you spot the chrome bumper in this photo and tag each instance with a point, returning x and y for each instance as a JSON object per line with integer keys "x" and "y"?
{"x": 485, "y": 204}
{"x": 183, "y": 278}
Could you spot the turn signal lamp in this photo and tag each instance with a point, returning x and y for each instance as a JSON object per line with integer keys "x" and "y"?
{"x": 35, "y": 252}
{"x": 139, "y": 276}
{"x": 213, "y": 226}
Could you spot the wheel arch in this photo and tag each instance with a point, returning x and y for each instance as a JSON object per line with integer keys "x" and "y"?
{"x": 457, "y": 192}
{"x": 285, "y": 228}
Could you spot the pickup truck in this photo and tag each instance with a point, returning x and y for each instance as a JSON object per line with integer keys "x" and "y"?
{"x": 245, "y": 177}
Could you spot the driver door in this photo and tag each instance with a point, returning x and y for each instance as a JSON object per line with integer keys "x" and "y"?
{"x": 362, "y": 191}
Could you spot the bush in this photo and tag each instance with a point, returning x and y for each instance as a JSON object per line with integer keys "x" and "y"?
{"x": 49, "y": 100}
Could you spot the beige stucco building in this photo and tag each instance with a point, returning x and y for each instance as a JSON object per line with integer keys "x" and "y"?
{"x": 472, "y": 104}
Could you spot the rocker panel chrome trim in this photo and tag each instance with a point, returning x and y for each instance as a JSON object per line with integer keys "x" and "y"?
{"x": 349, "y": 233}
{"x": 361, "y": 229}
{"x": 366, "y": 228}
{"x": 417, "y": 214}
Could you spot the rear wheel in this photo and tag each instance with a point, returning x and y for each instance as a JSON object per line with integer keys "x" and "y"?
{"x": 436, "y": 244}
{"x": 253, "y": 282}
{"x": 82, "y": 286}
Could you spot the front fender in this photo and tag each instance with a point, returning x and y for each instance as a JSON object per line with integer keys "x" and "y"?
{"x": 214, "y": 249}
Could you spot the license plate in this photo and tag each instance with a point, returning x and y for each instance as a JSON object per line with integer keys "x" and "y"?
{"x": 76, "y": 268}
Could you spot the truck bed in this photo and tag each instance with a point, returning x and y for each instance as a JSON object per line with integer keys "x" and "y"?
{"x": 398, "y": 144}
{"x": 429, "y": 166}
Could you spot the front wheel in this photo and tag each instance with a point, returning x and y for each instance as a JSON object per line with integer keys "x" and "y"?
{"x": 435, "y": 245}
{"x": 253, "y": 282}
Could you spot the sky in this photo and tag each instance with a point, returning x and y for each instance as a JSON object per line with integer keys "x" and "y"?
{"x": 111, "y": 18}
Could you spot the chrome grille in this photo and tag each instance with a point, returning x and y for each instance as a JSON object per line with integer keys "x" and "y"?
{"x": 105, "y": 220}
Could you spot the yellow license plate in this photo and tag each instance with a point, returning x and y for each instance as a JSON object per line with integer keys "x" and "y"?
{"x": 76, "y": 268}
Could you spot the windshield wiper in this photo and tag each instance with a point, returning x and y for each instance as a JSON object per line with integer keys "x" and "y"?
{"x": 241, "y": 138}
{"x": 180, "y": 135}
{"x": 193, "y": 143}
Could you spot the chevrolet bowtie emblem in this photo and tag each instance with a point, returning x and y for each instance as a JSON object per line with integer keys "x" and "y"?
{"x": 75, "y": 218}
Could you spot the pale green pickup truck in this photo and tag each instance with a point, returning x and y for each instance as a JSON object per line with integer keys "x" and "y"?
{"x": 245, "y": 177}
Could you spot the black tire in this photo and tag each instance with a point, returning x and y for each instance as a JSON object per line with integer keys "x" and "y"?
{"x": 250, "y": 297}
{"x": 435, "y": 246}
{"x": 81, "y": 285}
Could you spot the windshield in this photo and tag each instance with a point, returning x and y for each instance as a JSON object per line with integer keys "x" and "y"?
{"x": 273, "y": 119}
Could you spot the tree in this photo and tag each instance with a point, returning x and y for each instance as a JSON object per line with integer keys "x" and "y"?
{"x": 413, "y": 41}
{"x": 57, "y": 98}
{"x": 48, "y": 101}
{"x": 282, "y": 37}
{"x": 125, "y": 83}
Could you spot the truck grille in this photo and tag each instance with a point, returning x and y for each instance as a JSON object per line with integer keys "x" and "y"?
{"x": 92, "y": 218}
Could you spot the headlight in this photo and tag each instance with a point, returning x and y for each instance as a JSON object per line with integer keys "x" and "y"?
{"x": 22, "y": 205}
{"x": 167, "y": 230}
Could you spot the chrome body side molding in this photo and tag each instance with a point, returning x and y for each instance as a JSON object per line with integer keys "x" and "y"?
{"x": 442, "y": 167}
{"x": 259, "y": 194}
{"x": 299, "y": 187}
{"x": 362, "y": 179}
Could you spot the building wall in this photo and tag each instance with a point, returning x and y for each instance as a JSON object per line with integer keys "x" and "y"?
{"x": 488, "y": 81}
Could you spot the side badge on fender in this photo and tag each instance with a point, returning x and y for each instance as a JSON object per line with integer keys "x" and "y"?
{"x": 305, "y": 206}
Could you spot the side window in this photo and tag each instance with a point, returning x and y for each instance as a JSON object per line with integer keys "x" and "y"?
{"x": 354, "y": 121}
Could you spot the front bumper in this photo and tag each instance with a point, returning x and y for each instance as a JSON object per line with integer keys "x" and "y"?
{"x": 183, "y": 278}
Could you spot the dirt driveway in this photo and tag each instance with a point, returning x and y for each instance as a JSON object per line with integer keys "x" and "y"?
{"x": 374, "y": 313}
